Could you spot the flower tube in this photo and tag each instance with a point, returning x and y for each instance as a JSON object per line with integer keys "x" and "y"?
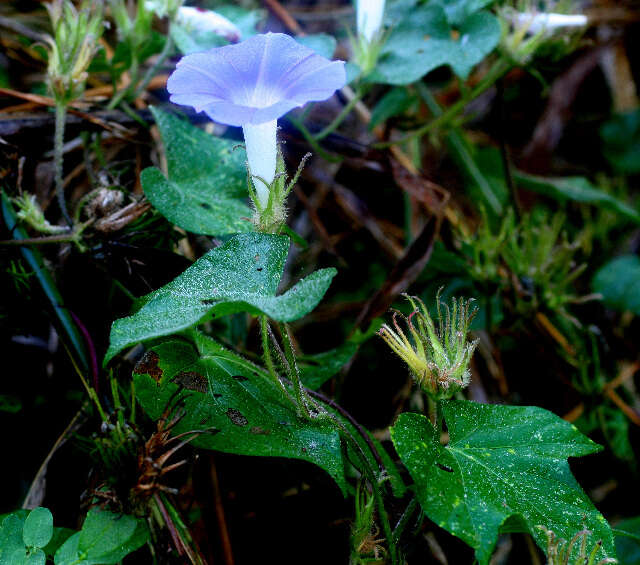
{"x": 369, "y": 14}
{"x": 548, "y": 22}
{"x": 370, "y": 38}
{"x": 252, "y": 84}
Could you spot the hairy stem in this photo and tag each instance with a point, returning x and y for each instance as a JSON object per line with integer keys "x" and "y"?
{"x": 58, "y": 158}
{"x": 268, "y": 359}
{"x": 294, "y": 372}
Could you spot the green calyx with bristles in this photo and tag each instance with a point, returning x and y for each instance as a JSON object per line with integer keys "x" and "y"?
{"x": 438, "y": 354}
{"x": 271, "y": 218}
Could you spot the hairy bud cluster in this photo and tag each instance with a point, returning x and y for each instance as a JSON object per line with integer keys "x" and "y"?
{"x": 73, "y": 45}
{"x": 437, "y": 355}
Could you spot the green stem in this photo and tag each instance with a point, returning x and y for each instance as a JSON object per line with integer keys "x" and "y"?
{"x": 340, "y": 117}
{"x": 302, "y": 399}
{"x": 308, "y": 136}
{"x": 404, "y": 519}
{"x": 433, "y": 411}
{"x": 268, "y": 359}
{"x": 294, "y": 372}
{"x": 499, "y": 69}
{"x": 36, "y": 262}
{"x": 60, "y": 238}
{"x": 153, "y": 69}
{"x": 372, "y": 477}
{"x": 133, "y": 73}
{"x": 58, "y": 159}
{"x": 461, "y": 151}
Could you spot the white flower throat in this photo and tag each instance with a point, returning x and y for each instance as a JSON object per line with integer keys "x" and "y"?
{"x": 262, "y": 152}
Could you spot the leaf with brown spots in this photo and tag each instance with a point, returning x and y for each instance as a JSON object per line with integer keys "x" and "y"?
{"x": 148, "y": 365}
{"x": 192, "y": 381}
{"x": 240, "y": 400}
{"x": 237, "y": 417}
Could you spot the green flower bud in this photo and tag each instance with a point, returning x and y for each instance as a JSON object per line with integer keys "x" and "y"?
{"x": 438, "y": 355}
{"x": 30, "y": 213}
{"x": 73, "y": 45}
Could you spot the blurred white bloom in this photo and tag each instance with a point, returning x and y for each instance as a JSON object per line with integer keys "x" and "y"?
{"x": 163, "y": 8}
{"x": 208, "y": 21}
{"x": 369, "y": 14}
{"x": 547, "y": 21}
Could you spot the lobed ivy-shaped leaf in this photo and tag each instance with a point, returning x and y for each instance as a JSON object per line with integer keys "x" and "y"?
{"x": 206, "y": 190}
{"x": 429, "y": 36}
{"x": 240, "y": 276}
{"x": 505, "y": 469}
{"x": 237, "y": 402}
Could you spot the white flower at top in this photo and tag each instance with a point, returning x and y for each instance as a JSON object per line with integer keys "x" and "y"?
{"x": 208, "y": 21}
{"x": 548, "y": 22}
{"x": 369, "y": 15}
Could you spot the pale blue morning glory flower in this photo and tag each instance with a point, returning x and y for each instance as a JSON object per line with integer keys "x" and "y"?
{"x": 251, "y": 84}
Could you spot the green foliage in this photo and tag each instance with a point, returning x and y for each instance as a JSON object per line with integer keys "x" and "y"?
{"x": 627, "y": 537}
{"x": 576, "y": 189}
{"x": 321, "y": 43}
{"x": 105, "y": 538}
{"x": 539, "y": 253}
{"x": 28, "y": 538}
{"x": 393, "y": 103}
{"x": 137, "y": 39}
{"x": 235, "y": 403}
{"x": 429, "y": 35}
{"x": 505, "y": 469}
{"x": 10, "y": 403}
{"x": 484, "y": 169}
{"x": 536, "y": 251}
{"x": 617, "y": 282}
{"x": 38, "y": 528}
{"x": 11, "y": 542}
{"x": 621, "y": 139}
{"x": 34, "y": 259}
{"x": 127, "y": 55}
{"x": 484, "y": 173}
{"x": 245, "y": 20}
{"x": 317, "y": 369}
{"x": 240, "y": 276}
{"x": 207, "y": 186}
{"x": 189, "y": 40}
